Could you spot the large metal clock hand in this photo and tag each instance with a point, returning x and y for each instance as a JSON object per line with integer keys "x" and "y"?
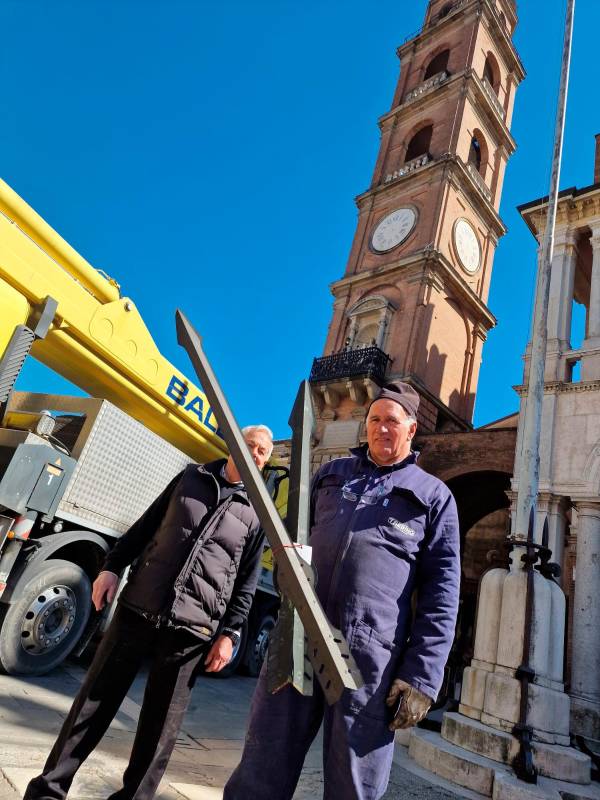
{"x": 327, "y": 649}
{"x": 287, "y": 657}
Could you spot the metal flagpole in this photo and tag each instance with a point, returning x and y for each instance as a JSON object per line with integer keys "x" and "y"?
{"x": 287, "y": 657}
{"x": 530, "y": 452}
{"x": 526, "y": 551}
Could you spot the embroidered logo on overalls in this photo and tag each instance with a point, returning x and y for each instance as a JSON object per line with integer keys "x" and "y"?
{"x": 367, "y": 499}
{"x": 401, "y": 526}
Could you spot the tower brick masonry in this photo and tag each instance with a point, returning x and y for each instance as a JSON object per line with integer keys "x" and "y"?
{"x": 417, "y": 279}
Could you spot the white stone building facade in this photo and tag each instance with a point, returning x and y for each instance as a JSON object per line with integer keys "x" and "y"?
{"x": 570, "y": 446}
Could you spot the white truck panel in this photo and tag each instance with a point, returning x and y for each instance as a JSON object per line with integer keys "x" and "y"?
{"x": 121, "y": 465}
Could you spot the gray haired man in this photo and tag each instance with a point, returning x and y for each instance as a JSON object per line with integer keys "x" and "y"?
{"x": 195, "y": 556}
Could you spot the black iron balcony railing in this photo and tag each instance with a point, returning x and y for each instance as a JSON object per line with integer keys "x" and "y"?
{"x": 366, "y": 362}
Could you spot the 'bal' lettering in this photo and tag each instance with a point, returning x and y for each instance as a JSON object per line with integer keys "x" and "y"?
{"x": 196, "y": 406}
{"x": 207, "y": 421}
{"x": 177, "y": 390}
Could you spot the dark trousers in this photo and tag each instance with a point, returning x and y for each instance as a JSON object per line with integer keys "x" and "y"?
{"x": 357, "y": 744}
{"x": 357, "y": 748}
{"x": 174, "y": 656}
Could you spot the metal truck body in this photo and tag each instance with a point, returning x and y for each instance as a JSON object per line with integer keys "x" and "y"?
{"x": 75, "y": 472}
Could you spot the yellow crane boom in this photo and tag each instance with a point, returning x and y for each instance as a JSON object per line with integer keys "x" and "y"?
{"x": 98, "y": 339}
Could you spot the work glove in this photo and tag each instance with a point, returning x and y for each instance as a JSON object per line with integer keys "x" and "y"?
{"x": 409, "y": 704}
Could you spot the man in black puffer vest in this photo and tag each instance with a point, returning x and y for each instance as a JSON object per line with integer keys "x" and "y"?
{"x": 196, "y": 558}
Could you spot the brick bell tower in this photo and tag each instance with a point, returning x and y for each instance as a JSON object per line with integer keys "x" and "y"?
{"x": 412, "y": 304}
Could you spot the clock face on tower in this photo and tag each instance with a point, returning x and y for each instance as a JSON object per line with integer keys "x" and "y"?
{"x": 467, "y": 245}
{"x": 393, "y": 229}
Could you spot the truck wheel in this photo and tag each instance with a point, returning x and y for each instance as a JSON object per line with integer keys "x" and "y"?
{"x": 40, "y": 629}
{"x": 257, "y": 646}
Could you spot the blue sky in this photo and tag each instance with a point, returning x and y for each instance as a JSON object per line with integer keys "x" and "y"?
{"x": 207, "y": 156}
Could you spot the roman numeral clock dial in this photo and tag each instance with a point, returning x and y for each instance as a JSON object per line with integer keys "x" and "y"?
{"x": 393, "y": 229}
{"x": 467, "y": 246}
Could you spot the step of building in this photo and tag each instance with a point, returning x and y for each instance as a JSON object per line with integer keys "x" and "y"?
{"x": 453, "y": 763}
{"x": 486, "y": 776}
{"x": 508, "y": 787}
{"x": 551, "y": 761}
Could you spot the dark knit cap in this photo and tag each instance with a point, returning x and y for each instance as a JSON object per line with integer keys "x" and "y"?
{"x": 400, "y": 393}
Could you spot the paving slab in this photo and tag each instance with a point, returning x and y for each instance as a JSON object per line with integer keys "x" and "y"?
{"x": 208, "y": 748}
{"x": 7, "y": 790}
{"x": 88, "y": 785}
{"x": 194, "y": 792}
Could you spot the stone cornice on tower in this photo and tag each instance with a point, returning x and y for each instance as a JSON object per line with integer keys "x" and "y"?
{"x": 454, "y": 169}
{"x": 510, "y": 7}
{"x": 467, "y": 81}
{"x": 430, "y": 265}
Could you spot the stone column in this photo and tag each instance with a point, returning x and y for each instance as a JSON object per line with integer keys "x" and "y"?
{"x": 585, "y": 663}
{"x": 553, "y": 508}
{"x": 560, "y": 304}
{"x": 381, "y": 329}
{"x": 336, "y": 326}
{"x": 590, "y": 361}
{"x": 594, "y": 310}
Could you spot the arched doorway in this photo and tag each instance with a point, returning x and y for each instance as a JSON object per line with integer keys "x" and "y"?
{"x": 483, "y": 513}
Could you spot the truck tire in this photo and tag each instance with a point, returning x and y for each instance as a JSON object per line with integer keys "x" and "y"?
{"x": 256, "y": 649}
{"x": 40, "y": 629}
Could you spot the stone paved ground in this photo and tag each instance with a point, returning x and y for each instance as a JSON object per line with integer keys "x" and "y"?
{"x": 32, "y": 710}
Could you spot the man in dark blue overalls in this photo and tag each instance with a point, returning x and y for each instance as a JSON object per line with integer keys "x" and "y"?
{"x": 381, "y": 528}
